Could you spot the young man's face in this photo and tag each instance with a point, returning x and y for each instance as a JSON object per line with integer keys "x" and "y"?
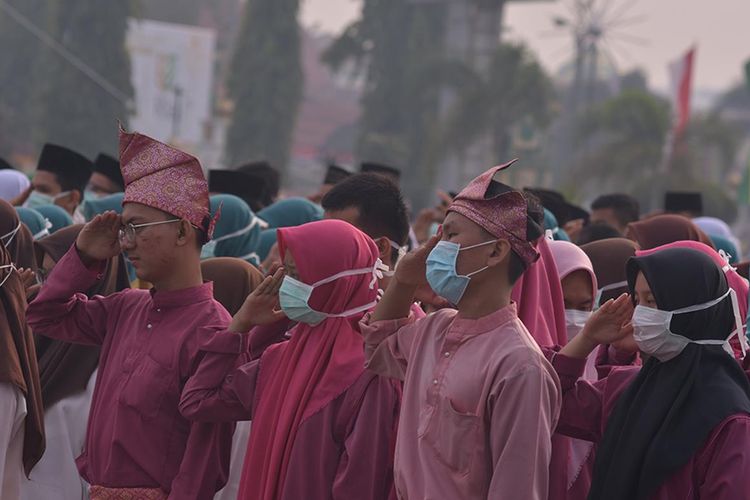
{"x": 46, "y": 183}
{"x": 153, "y": 249}
{"x": 459, "y": 229}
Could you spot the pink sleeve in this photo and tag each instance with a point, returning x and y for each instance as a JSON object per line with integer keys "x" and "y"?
{"x": 365, "y": 468}
{"x": 204, "y": 469}
{"x": 524, "y": 411}
{"x": 62, "y": 310}
{"x": 223, "y": 387}
{"x": 607, "y": 357}
{"x": 582, "y": 401}
{"x": 388, "y": 345}
{"x": 725, "y": 461}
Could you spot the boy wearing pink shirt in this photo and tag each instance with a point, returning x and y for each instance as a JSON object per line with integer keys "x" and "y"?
{"x": 480, "y": 401}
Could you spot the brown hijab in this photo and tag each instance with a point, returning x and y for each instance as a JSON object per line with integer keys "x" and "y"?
{"x": 18, "y": 364}
{"x": 664, "y": 229}
{"x": 234, "y": 279}
{"x": 609, "y": 258}
{"x": 21, "y": 247}
{"x": 65, "y": 368}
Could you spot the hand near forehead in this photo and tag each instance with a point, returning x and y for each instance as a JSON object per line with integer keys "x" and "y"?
{"x": 98, "y": 240}
{"x": 411, "y": 268}
{"x": 261, "y": 307}
{"x": 609, "y": 324}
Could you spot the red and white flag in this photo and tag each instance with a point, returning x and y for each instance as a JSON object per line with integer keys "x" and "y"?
{"x": 681, "y": 77}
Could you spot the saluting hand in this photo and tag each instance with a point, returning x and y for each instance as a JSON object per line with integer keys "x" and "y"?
{"x": 98, "y": 240}
{"x": 261, "y": 307}
{"x": 611, "y": 322}
{"x": 411, "y": 268}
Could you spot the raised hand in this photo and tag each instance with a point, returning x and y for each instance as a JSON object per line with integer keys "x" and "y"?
{"x": 611, "y": 323}
{"x": 261, "y": 307}
{"x": 411, "y": 268}
{"x": 28, "y": 278}
{"x": 98, "y": 240}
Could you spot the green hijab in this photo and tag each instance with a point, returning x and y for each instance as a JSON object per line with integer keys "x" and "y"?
{"x": 37, "y": 224}
{"x": 57, "y": 216}
{"x": 291, "y": 212}
{"x": 237, "y": 232}
{"x": 94, "y": 207}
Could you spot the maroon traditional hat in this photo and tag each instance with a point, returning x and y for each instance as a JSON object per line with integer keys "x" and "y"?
{"x": 503, "y": 216}
{"x": 160, "y": 176}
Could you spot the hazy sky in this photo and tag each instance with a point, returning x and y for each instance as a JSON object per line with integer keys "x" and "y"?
{"x": 720, "y": 29}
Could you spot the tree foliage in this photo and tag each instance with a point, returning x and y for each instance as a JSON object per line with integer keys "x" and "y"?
{"x": 70, "y": 108}
{"x": 266, "y": 83}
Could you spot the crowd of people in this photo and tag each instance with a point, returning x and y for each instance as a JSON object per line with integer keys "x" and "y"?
{"x": 169, "y": 336}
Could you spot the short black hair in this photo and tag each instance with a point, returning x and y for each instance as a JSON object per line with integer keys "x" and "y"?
{"x": 624, "y": 206}
{"x": 597, "y": 231}
{"x": 382, "y": 211}
{"x": 534, "y": 224}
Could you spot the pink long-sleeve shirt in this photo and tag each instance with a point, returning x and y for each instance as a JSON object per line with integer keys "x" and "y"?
{"x": 719, "y": 470}
{"x": 479, "y": 407}
{"x": 342, "y": 452}
{"x": 136, "y": 436}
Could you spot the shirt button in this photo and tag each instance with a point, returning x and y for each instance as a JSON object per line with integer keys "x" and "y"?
{"x": 148, "y": 326}
{"x": 435, "y": 382}
{"x": 447, "y": 354}
{"x": 158, "y": 310}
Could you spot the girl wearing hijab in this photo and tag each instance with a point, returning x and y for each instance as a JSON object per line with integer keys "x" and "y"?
{"x": 67, "y": 377}
{"x": 16, "y": 238}
{"x": 734, "y": 280}
{"x": 678, "y": 427}
{"x": 714, "y": 227}
{"x": 21, "y": 426}
{"x": 34, "y": 221}
{"x": 666, "y": 228}
{"x": 315, "y": 380}
{"x": 237, "y": 232}
{"x": 57, "y": 217}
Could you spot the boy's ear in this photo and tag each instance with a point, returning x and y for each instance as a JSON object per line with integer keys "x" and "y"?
{"x": 500, "y": 252}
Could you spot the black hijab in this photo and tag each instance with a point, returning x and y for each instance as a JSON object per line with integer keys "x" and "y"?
{"x": 670, "y": 409}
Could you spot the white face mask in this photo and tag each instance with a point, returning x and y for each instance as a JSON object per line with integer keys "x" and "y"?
{"x": 653, "y": 335}
{"x": 209, "y": 249}
{"x": 45, "y": 230}
{"x": 37, "y": 199}
{"x": 8, "y": 237}
{"x": 607, "y": 288}
{"x": 575, "y": 320}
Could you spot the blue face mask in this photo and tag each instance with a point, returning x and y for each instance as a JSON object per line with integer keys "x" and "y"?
{"x": 37, "y": 199}
{"x": 294, "y": 296}
{"x": 441, "y": 270}
{"x": 90, "y": 195}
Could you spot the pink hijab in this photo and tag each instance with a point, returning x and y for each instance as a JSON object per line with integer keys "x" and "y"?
{"x": 570, "y": 258}
{"x": 539, "y": 298}
{"x": 319, "y": 363}
{"x": 734, "y": 280}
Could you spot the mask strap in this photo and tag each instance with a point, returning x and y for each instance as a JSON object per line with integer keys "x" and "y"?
{"x": 607, "y": 288}
{"x": 461, "y": 249}
{"x": 726, "y": 257}
{"x": 61, "y": 195}
{"x": 9, "y": 236}
{"x": 701, "y": 307}
{"x": 356, "y": 310}
{"x": 400, "y": 249}
{"x": 739, "y": 324}
{"x": 44, "y": 232}
{"x": 257, "y": 221}
{"x": 12, "y": 268}
{"x": 251, "y": 255}
{"x": 376, "y": 271}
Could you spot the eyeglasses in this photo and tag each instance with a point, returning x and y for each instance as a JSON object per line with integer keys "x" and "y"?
{"x": 128, "y": 231}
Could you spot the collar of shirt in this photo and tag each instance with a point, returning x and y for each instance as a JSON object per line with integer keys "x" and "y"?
{"x": 184, "y": 297}
{"x": 472, "y": 327}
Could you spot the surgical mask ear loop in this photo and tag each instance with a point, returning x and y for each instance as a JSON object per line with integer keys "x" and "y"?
{"x": 739, "y": 329}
